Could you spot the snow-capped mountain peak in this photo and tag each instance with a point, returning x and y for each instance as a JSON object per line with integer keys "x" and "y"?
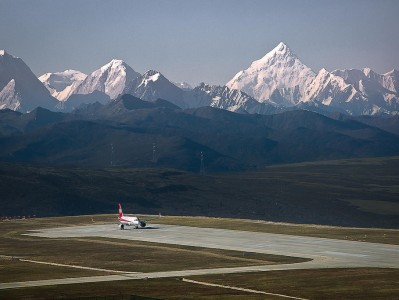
{"x": 111, "y": 79}
{"x": 5, "y": 53}
{"x": 357, "y": 78}
{"x": 152, "y": 85}
{"x": 392, "y": 72}
{"x": 225, "y": 98}
{"x": 368, "y": 72}
{"x": 281, "y": 47}
{"x": 326, "y": 87}
{"x": 150, "y": 75}
{"x": 323, "y": 72}
{"x": 281, "y": 50}
{"x": 278, "y": 79}
{"x": 62, "y": 84}
{"x": 113, "y": 64}
{"x": 183, "y": 85}
{"x": 19, "y": 87}
{"x": 390, "y": 81}
{"x": 352, "y": 91}
{"x": 77, "y": 75}
{"x": 10, "y": 97}
{"x": 352, "y": 75}
{"x": 278, "y": 69}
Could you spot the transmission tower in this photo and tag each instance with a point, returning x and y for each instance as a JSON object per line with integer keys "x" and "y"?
{"x": 112, "y": 155}
{"x": 202, "y": 169}
{"x": 154, "y": 153}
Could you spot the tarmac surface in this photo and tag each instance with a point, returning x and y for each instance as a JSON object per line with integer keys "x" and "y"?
{"x": 325, "y": 253}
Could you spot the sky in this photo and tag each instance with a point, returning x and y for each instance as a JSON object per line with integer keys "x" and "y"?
{"x": 199, "y": 41}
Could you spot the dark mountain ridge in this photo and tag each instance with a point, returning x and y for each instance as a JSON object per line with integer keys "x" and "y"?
{"x": 131, "y": 132}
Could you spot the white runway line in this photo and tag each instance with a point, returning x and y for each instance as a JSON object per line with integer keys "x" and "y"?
{"x": 72, "y": 280}
{"x": 240, "y": 289}
{"x": 138, "y": 276}
{"x": 345, "y": 254}
{"x": 73, "y": 266}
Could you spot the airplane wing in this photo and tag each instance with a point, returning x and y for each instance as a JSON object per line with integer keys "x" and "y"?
{"x": 155, "y": 218}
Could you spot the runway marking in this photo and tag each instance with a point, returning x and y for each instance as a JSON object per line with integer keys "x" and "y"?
{"x": 64, "y": 265}
{"x": 345, "y": 254}
{"x": 71, "y": 280}
{"x": 139, "y": 276}
{"x": 240, "y": 289}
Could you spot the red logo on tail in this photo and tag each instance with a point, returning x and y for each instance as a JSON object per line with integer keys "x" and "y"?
{"x": 120, "y": 210}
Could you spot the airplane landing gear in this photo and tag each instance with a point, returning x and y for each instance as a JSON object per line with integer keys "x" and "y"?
{"x": 122, "y": 226}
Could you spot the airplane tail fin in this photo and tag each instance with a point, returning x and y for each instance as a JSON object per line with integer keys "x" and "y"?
{"x": 120, "y": 210}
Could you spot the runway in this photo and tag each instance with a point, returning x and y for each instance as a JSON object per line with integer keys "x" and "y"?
{"x": 325, "y": 253}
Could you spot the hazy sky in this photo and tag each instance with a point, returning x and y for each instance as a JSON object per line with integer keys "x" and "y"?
{"x": 199, "y": 40}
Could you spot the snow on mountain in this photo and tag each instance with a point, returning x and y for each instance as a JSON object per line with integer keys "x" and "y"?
{"x": 185, "y": 86}
{"x": 365, "y": 81}
{"x": 389, "y": 80}
{"x": 19, "y": 88}
{"x": 110, "y": 79}
{"x": 152, "y": 85}
{"x": 329, "y": 88}
{"x": 225, "y": 98}
{"x": 62, "y": 84}
{"x": 10, "y": 97}
{"x": 279, "y": 70}
{"x": 280, "y": 78}
{"x": 356, "y": 92}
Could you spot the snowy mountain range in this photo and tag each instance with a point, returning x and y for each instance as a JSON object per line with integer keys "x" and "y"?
{"x": 110, "y": 79}
{"x": 19, "y": 87}
{"x": 152, "y": 85}
{"x": 282, "y": 79}
{"x": 183, "y": 85}
{"x": 278, "y": 72}
{"x": 278, "y": 81}
{"x": 225, "y": 98}
{"x": 61, "y": 85}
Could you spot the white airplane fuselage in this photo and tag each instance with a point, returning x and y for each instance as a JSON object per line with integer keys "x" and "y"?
{"x": 129, "y": 220}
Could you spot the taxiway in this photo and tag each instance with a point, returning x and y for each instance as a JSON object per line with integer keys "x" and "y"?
{"x": 324, "y": 253}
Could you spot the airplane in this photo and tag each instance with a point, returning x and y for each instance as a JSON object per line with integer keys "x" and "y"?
{"x": 130, "y": 220}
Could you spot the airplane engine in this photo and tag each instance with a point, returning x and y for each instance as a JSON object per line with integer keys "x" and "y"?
{"x": 142, "y": 224}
